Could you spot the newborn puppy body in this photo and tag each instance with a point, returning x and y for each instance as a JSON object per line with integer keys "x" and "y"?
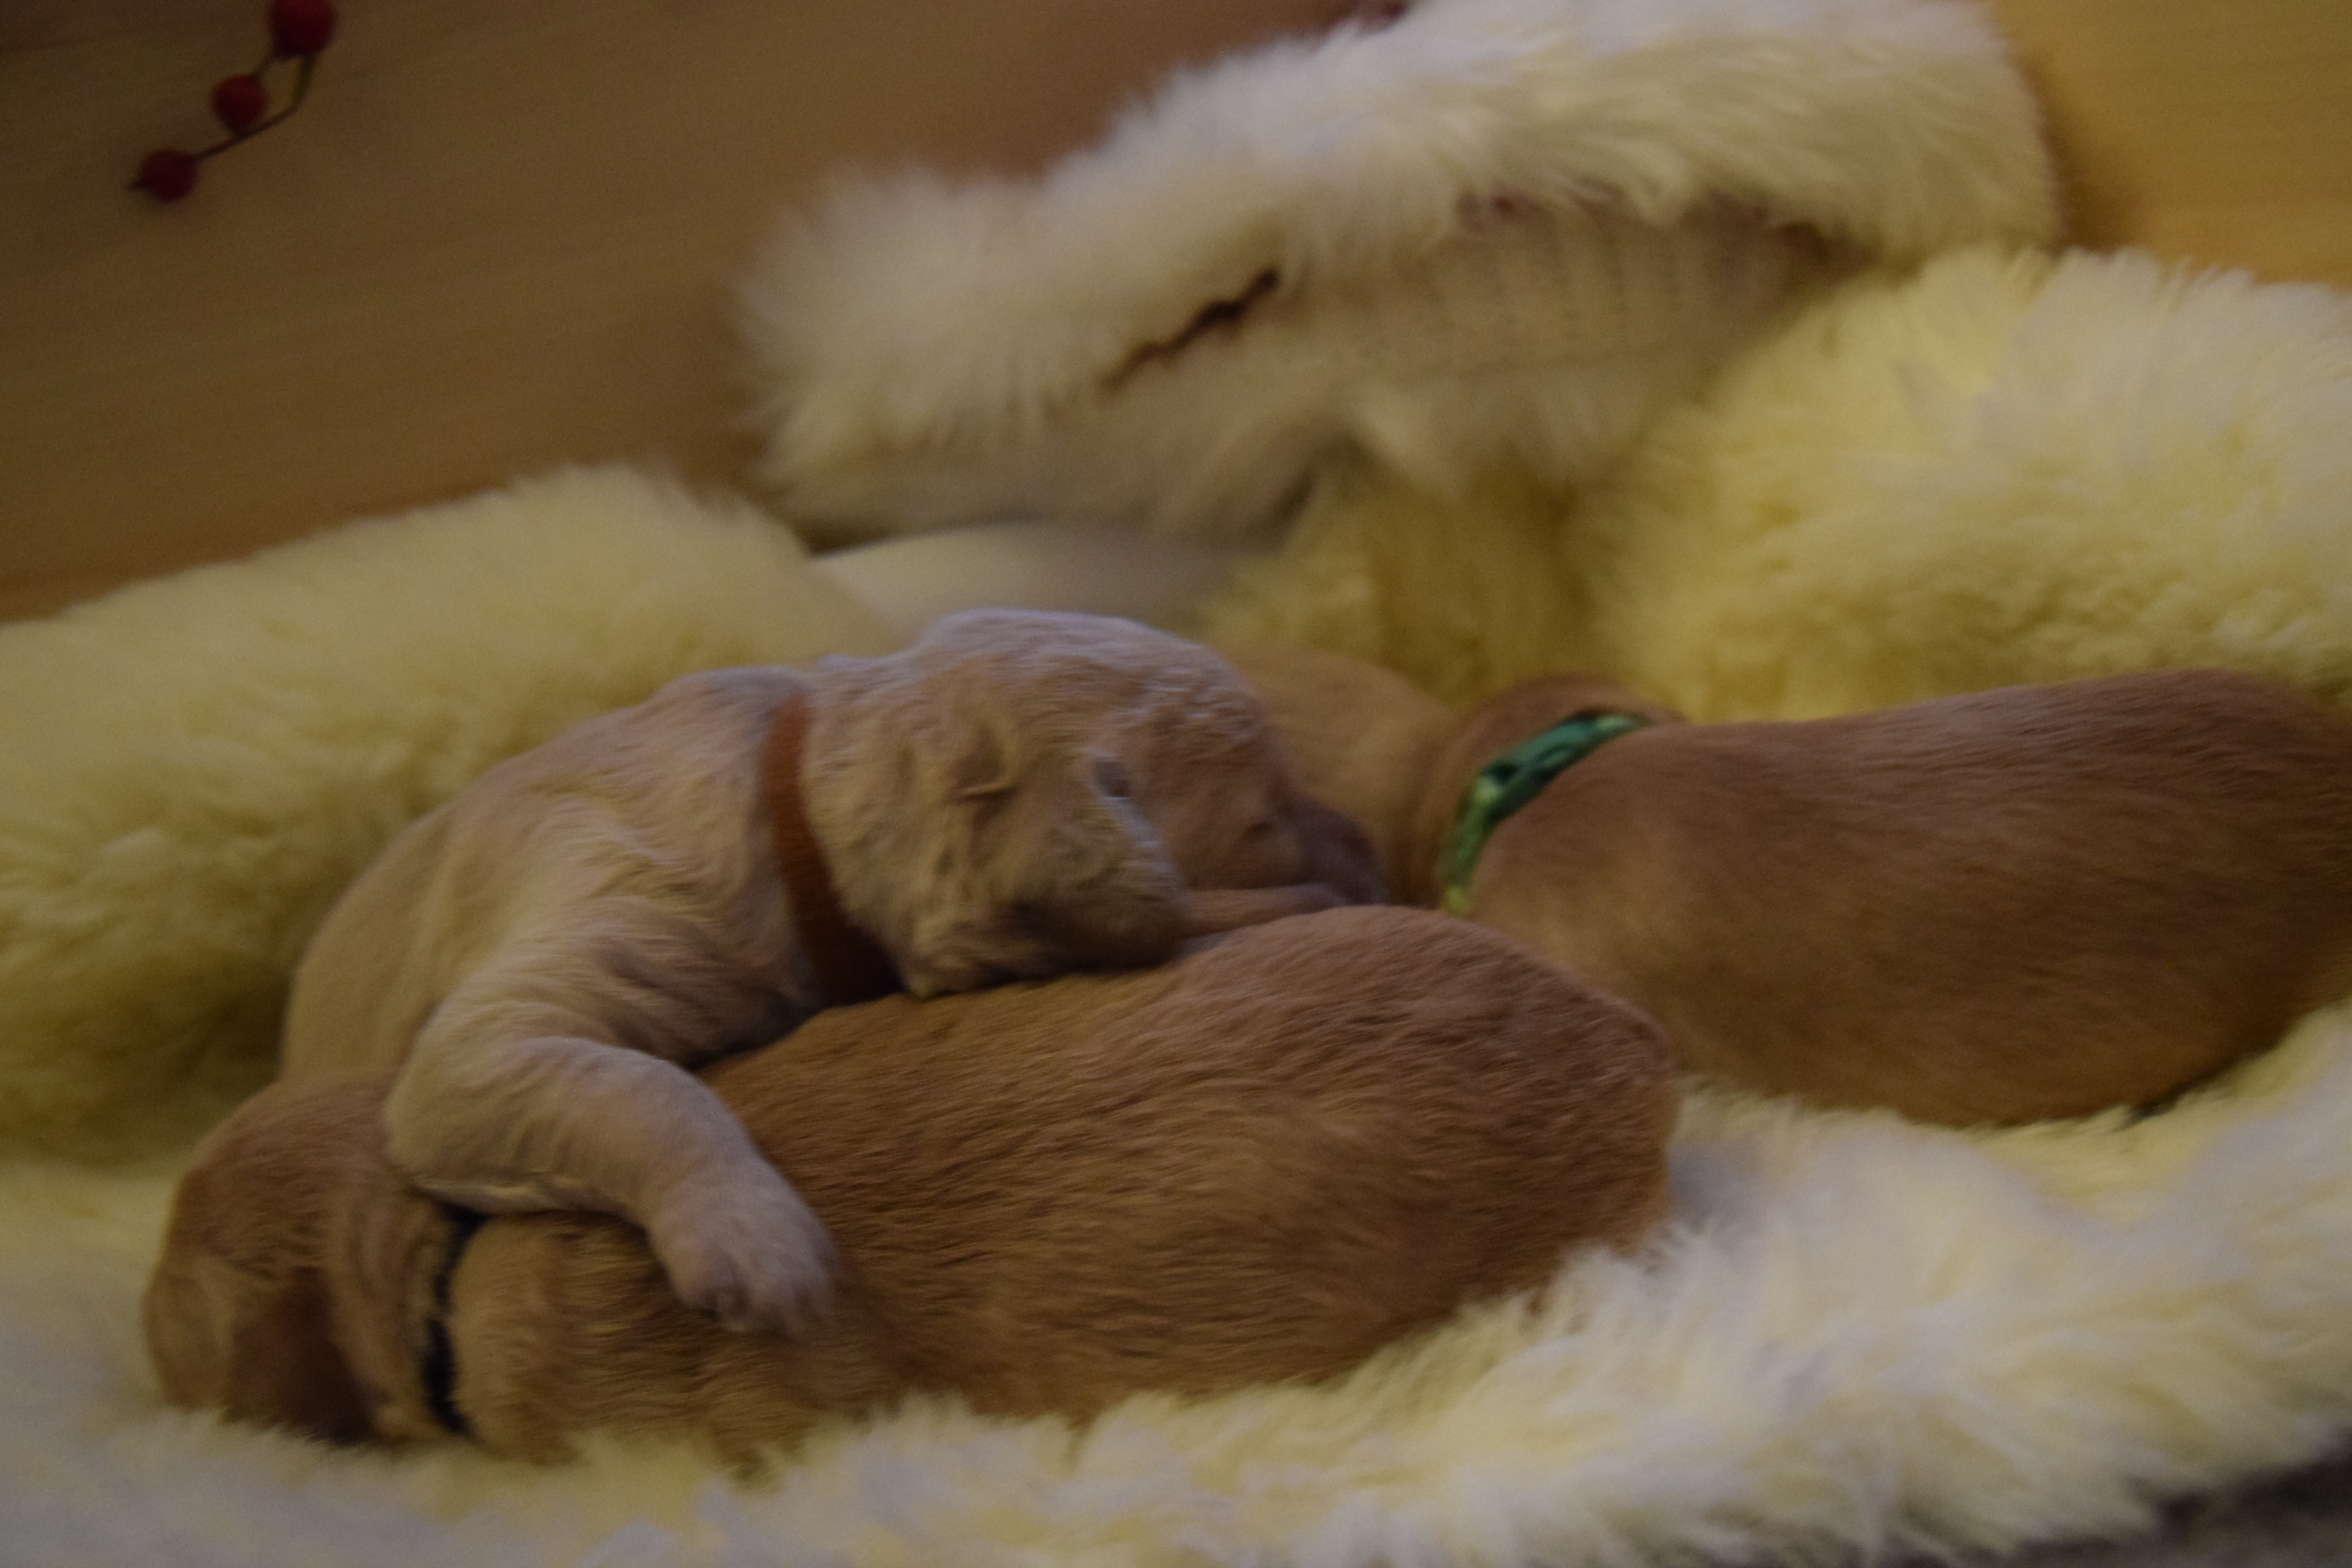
{"x": 1262, "y": 1162}
{"x": 544, "y": 958}
{"x": 2032, "y": 902}
{"x": 2018, "y": 904}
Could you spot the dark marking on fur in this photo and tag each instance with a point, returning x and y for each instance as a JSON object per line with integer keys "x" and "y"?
{"x": 1217, "y": 315}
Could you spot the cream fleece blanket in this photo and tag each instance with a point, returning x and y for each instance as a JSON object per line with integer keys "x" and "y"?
{"x": 1495, "y": 233}
{"x": 1859, "y": 1335}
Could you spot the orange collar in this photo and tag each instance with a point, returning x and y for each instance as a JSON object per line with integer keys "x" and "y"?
{"x": 850, "y": 965}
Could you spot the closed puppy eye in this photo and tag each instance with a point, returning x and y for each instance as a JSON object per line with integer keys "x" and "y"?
{"x": 1110, "y": 778}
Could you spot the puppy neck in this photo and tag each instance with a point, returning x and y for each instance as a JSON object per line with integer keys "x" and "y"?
{"x": 848, "y": 965}
{"x": 1486, "y": 741}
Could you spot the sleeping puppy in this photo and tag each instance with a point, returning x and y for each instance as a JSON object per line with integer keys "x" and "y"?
{"x": 1262, "y": 1162}
{"x": 2018, "y": 904}
{"x": 545, "y": 957}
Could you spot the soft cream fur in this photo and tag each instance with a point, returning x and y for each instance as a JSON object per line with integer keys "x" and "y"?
{"x": 2033, "y": 902}
{"x": 1864, "y": 1338}
{"x": 2006, "y": 469}
{"x": 1859, "y": 1336}
{"x": 1258, "y": 1164}
{"x": 1492, "y": 231}
{"x": 546, "y": 957}
{"x": 192, "y": 769}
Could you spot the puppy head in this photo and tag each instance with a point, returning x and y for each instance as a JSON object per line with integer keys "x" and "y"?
{"x": 1515, "y": 714}
{"x": 297, "y": 1270}
{"x": 1021, "y": 794}
{"x": 1361, "y": 735}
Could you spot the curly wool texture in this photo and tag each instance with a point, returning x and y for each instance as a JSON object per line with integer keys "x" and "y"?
{"x": 1493, "y": 229}
{"x": 2014, "y": 469}
{"x": 2005, "y": 468}
{"x": 1860, "y": 1336}
{"x": 193, "y": 768}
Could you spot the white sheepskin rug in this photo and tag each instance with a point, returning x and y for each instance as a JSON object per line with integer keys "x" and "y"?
{"x": 1837, "y": 436}
{"x": 1859, "y": 1335}
{"x": 1491, "y": 233}
{"x": 193, "y": 768}
{"x": 2002, "y": 468}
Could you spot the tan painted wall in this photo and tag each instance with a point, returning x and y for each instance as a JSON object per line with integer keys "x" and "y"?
{"x": 2216, "y": 130}
{"x": 500, "y": 236}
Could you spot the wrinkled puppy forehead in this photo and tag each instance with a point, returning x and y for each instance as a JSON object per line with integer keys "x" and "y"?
{"x": 1090, "y": 679}
{"x": 1023, "y": 641}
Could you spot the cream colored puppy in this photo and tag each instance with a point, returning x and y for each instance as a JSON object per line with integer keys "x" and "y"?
{"x": 1261, "y": 1162}
{"x": 2032, "y": 902}
{"x": 547, "y": 956}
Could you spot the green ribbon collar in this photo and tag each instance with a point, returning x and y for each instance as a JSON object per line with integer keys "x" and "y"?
{"x": 1516, "y": 777}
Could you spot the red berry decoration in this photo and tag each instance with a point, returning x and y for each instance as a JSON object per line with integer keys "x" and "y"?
{"x": 167, "y": 174}
{"x": 298, "y": 29}
{"x": 239, "y": 102}
{"x": 301, "y": 29}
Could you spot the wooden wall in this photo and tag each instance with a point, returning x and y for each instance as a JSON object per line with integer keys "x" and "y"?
{"x": 2216, "y": 130}
{"x": 500, "y": 236}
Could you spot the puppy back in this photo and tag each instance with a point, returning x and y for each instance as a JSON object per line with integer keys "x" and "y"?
{"x": 1260, "y": 1164}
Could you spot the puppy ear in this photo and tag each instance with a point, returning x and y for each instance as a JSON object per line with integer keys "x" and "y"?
{"x": 978, "y": 764}
{"x": 1086, "y": 870}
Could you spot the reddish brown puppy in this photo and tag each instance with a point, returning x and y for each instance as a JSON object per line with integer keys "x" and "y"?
{"x": 1262, "y": 1162}
{"x": 2002, "y": 907}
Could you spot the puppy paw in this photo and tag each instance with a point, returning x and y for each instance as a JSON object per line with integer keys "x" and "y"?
{"x": 749, "y": 1253}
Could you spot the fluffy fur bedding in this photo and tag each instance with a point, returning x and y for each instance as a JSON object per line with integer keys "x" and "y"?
{"x": 1860, "y": 1334}
{"x": 1911, "y": 474}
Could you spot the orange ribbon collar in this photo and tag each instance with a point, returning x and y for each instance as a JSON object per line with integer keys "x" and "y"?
{"x": 850, "y": 965}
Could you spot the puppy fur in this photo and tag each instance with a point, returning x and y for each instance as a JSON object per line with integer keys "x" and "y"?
{"x": 1261, "y": 1162}
{"x": 545, "y": 958}
{"x": 1365, "y": 735}
{"x": 2004, "y": 907}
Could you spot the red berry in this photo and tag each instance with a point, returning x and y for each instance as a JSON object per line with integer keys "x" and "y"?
{"x": 167, "y": 174}
{"x": 239, "y": 102}
{"x": 300, "y": 27}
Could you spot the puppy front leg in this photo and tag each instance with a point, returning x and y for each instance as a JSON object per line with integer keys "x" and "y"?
{"x": 516, "y": 1119}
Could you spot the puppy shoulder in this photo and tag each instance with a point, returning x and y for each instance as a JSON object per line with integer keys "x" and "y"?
{"x": 743, "y": 687}
{"x": 2233, "y": 698}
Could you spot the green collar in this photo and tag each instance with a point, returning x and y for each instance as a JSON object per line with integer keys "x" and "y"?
{"x": 1515, "y": 778}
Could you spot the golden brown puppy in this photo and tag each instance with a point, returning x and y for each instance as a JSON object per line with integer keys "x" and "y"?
{"x": 2032, "y": 902}
{"x": 1261, "y": 1162}
{"x": 1362, "y": 738}
{"x": 545, "y": 957}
